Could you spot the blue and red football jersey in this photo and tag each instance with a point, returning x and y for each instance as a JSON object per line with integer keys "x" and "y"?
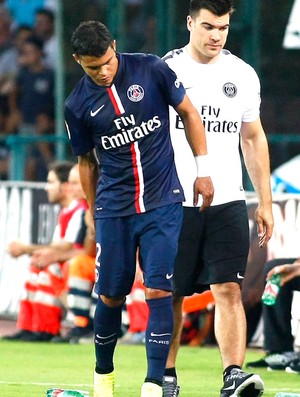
{"x": 128, "y": 125}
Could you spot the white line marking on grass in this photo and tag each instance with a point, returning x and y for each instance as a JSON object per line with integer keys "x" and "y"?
{"x": 3, "y": 382}
{"x": 283, "y": 389}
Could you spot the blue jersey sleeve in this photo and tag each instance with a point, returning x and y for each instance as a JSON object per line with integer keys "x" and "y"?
{"x": 78, "y": 132}
{"x": 172, "y": 88}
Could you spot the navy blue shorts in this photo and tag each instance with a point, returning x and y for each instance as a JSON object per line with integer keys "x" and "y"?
{"x": 154, "y": 234}
{"x": 213, "y": 247}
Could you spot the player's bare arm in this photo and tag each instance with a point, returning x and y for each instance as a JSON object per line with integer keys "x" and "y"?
{"x": 256, "y": 155}
{"x": 195, "y": 135}
{"x": 88, "y": 171}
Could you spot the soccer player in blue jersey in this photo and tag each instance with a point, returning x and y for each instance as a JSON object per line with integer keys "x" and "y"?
{"x": 117, "y": 118}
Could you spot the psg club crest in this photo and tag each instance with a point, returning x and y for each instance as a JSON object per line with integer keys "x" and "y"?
{"x": 135, "y": 93}
{"x": 230, "y": 90}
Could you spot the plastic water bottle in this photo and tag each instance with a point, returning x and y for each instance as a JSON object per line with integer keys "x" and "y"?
{"x": 287, "y": 394}
{"x": 271, "y": 290}
{"x": 57, "y": 392}
{"x": 71, "y": 393}
{"x": 53, "y": 392}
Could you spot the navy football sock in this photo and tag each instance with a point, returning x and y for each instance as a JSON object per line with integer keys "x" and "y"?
{"x": 158, "y": 336}
{"x": 107, "y": 323}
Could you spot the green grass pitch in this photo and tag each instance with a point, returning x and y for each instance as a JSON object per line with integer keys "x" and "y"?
{"x": 29, "y": 369}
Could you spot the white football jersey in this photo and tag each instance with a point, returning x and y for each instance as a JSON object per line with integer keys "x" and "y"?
{"x": 225, "y": 93}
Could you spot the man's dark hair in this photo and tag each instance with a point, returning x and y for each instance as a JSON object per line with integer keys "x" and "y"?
{"x": 91, "y": 38}
{"x": 216, "y": 7}
{"x": 35, "y": 41}
{"x": 46, "y": 12}
{"x": 61, "y": 169}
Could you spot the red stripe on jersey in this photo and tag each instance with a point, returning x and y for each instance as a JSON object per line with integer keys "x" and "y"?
{"x": 114, "y": 101}
{"x": 136, "y": 178}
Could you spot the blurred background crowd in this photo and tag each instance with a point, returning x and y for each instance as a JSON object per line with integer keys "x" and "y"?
{"x": 37, "y": 71}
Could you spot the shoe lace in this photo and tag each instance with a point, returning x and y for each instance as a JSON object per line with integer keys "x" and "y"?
{"x": 170, "y": 389}
{"x": 236, "y": 374}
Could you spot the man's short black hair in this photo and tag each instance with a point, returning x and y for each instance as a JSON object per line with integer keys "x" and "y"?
{"x": 35, "y": 41}
{"x": 216, "y": 7}
{"x": 61, "y": 169}
{"x": 48, "y": 13}
{"x": 91, "y": 38}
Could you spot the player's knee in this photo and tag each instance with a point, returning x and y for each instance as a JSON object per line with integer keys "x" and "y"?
{"x": 226, "y": 293}
{"x": 153, "y": 293}
{"x": 112, "y": 301}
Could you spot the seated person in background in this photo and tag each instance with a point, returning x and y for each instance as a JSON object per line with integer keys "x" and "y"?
{"x": 79, "y": 264}
{"x": 40, "y": 310}
{"x": 278, "y": 338}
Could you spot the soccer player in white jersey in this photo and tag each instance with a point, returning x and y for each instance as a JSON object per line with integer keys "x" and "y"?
{"x": 214, "y": 244}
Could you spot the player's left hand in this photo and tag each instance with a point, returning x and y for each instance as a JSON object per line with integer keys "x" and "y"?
{"x": 265, "y": 223}
{"x": 203, "y": 186}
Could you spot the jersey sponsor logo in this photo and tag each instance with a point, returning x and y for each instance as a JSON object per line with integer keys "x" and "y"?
{"x": 135, "y": 93}
{"x": 169, "y": 276}
{"x": 229, "y": 90}
{"x": 93, "y": 113}
{"x": 128, "y": 135}
{"x": 239, "y": 276}
{"x": 212, "y": 125}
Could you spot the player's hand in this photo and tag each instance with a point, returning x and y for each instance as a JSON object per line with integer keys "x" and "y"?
{"x": 203, "y": 186}
{"x": 16, "y": 248}
{"x": 265, "y": 223}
